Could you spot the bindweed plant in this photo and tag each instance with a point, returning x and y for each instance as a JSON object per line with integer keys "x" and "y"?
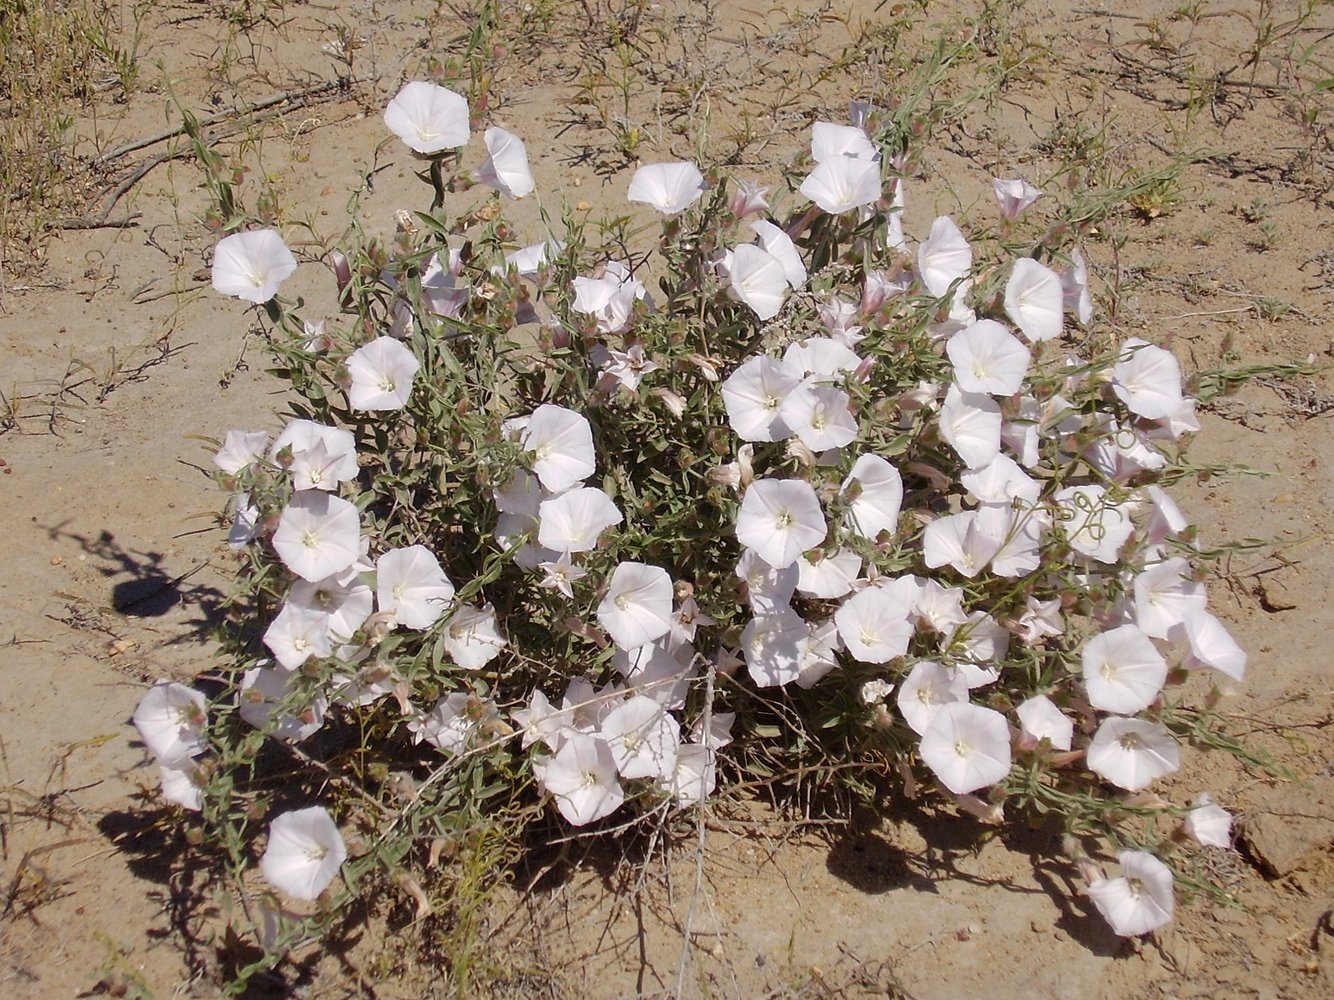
{"x": 781, "y": 493}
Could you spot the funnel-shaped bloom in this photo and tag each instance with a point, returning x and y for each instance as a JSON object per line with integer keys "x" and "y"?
{"x": 668, "y": 187}
{"x": 928, "y": 687}
{"x": 340, "y": 447}
{"x": 638, "y": 605}
{"x": 428, "y": 118}
{"x": 944, "y": 258}
{"x": 1034, "y": 300}
{"x": 773, "y": 240}
{"x": 820, "y": 415}
{"x": 1014, "y": 196}
{"x": 875, "y": 625}
{"x": 1075, "y": 288}
{"x": 988, "y": 359}
{"x": 411, "y": 586}
{"x": 842, "y": 183}
{"x": 472, "y": 636}
{"x": 1131, "y": 753}
{"x": 304, "y": 854}
{"x": 581, "y": 777}
{"x": 1123, "y": 672}
{"x": 1140, "y": 900}
{"x": 382, "y": 373}
{"x": 252, "y": 265}
{"x": 1212, "y": 646}
{"x": 1042, "y": 720}
{"x": 178, "y": 784}
{"x": 1165, "y": 594}
{"x": 875, "y": 490}
{"x": 297, "y": 634}
{"x": 829, "y": 140}
{"x": 1208, "y": 824}
{"x": 696, "y": 774}
{"x": 829, "y": 577}
{"x": 573, "y": 521}
{"x": 318, "y": 534}
{"x": 643, "y": 738}
{"x": 347, "y": 602}
{"x": 774, "y": 646}
{"x": 753, "y": 395}
{"x": 1147, "y": 379}
{"x": 1093, "y": 524}
{"x": 780, "y": 519}
{"x": 263, "y": 690}
{"x": 971, "y": 423}
{"x": 561, "y": 442}
{"x": 967, "y": 747}
{"x": 506, "y": 167}
{"x": 759, "y": 279}
{"x": 169, "y": 719}
{"x": 240, "y": 450}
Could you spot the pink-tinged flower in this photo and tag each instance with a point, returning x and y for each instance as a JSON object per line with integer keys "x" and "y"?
{"x": 411, "y": 587}
{"x": 748, "y": 199}
{"x": 611, "y": 297}
{"x": 638, "y": 605}
{"x": 561, "y": 443}
{"x": 944, "y": 258}
{"x": 1123, "y": 671}
{"x": 1209, "y": 825}
{"x": 1211, "y": 646}
{"x": 240, "y": 450}
{"x": 506, "y": 167}
{"x": 1034, "y": 300}
{"x": 318, "y": 534}
{"x": 820, "y": 415}
{"x": 1147, "y": 379}
{"x": 1040, "y": 620}
{"x": 382, "y": 373}
{"x": 967, "y": 747}
{"x": 454, "y": 722}
{"x": 263, "y": 690}
{"x": 581, "y": 777}
{"x": 780, "y": 519}
{"x": 252, "y": 265}
{"x": 560, "y": 575}
{"x": 874, "y": 490}
{"x": 1014, "y": 196}
{"x": 842, "y": 183}
{"x": 643, "y": 738}
{"x": 774, "y": 646}
{"x": 1140, "y": 900}
{"x": 754, "y": 394}
{"x": 928, "y": 687}
{"x": 1042, "y": 720}
{"x": 830, "y": 140}
{"x": 472, "y": 636}
{"x": 1093, "y": 523}
{"x": 629, "y": 367}
{"x": 297, "y": 634}
{"x": 170, "y": 720}
{"x": 1075, "y": 288}
{"x": 1131, "y": 753}
{"x": 970, "y": 422}
{"x": 668, "y": 187}
{"x": 428, "y": 118}
{"x": 774, "y": 241}
{"x": 875, "y": 625}
{"x": 304, "y": 853}
{"x": 573, "y": 521}
{"x": 758, "y": 279}
{"x": 988, "y": 359}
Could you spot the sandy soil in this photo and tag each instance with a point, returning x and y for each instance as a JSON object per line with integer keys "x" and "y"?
{"x": 120, "y": 361}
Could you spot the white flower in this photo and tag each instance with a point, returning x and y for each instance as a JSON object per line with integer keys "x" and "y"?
{"x": 506, "y": 167}
{"x": 820, "y": 415}
{"x": 823, "y": 357}
{"x": 318, "y": 534}
{"x": 1014, "y": 196}
{"x": 875, "y": 490}
{"x": 170, "y": 718}
{"x": 178, "y": 784}
{"x": 668, "y": 187}
{"x": 780, "y": 519}
{"x": 696, "y": 774}
{"x": 774, "y": 646}
{"x": 874, "y": 625}
{"x": 643, "y": 738}
{"x": 970, "y": 422}
{"x": 831, "y": 576}
{"x": 561, "y": 442}
{"x": 842, "y": 183}
{"x": 581, "y": 776}
{"x": 768, "y": 589}
{"x": 1165, "y": 594}
{"x": 1147, "y": 379}
{"x": 304, "y": 853}
{"x": 1042, "y": 720}
{"x": 660, "y": 670}
{"x": 944, "y": 258}
{"x": 411, "y": 587}
{"x": 473, "y": 636}
{"x": 1034, "y": 300}
{"x": 1140, "y": 900}
{"x": 638, "y": 605}
{"x": 1075, "y": 288}
{"x": 958, "y": 540}
{"x": 1093, "y": 523}
{"x": 1209, "y": 824}
{"x": 296, "y": 634}
{"x": 1123, "y": 672}
{"x": 560, "y": 574}
{"x": 758, "y": 279}
{"x": 928, "y": 687}
{"x": 775, "y": 241}
{"x": 240, "y": 451}
{"x": 339, "y": 446}
{"x": 830, "y": 140}
{"x": 252, "y": 265}
{"x": 1212, "y": 646}
{"x": 754, "y": 394}
{"x": 263, "y": 690}
{"x": 346, "y": 601}
{"x": 382, "y": 373}
{"x": 573, "y": 521}
{"x": 967, "y": 747}
{"x": 453, "y": 722}
{"x": 1131, "y": 753}
{"x": 428, "y": 118}
{"x": 988, "y": 359}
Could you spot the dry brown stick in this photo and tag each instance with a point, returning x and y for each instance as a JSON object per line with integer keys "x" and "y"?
{"x": 296, "y": 97}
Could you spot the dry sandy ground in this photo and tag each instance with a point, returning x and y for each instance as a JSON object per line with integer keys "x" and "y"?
{"x": 120, "y": 359}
